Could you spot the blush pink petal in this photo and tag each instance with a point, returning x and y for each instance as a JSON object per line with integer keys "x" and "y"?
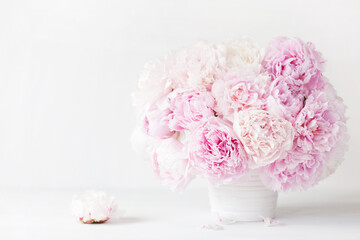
{"x": 197, "y": 65}
{"x": 297, "y": 171}
{"x": 171, "y": 164}
{"x": 216, "y": 152}
{"x": 156, "y": 122}
{"x": 240, "y": 89}
{"x": 285, "y": 98}
{"x": 189, "y": 107}
{"x": 265, "y": 136}
{"x": 291, "y": 57}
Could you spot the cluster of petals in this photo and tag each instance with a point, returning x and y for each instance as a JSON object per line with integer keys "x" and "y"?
{"x": 295, "y": 68}
{"x": 319, "y": 144}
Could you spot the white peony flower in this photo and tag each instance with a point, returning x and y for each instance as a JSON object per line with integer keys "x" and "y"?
{"x": 197, "y": 65}
{"x": 153, "y": 84}
{"x": 240, "y": 89}
{"x": 244, "y": 52}
{"x": 265, "y": 136}
{"x": 171, "y": 164}
{"x": 93, "y": 207}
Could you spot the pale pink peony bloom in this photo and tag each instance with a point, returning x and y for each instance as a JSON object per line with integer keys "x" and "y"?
{"x": 243, "y": 52}
{"x": 197, "y": 65}
{"x": 265, "y": 136}
{"x": 94, "y": 207}
{"x": 321, "y": 127}
{"x": 285, "y": 98}
{"x": 189, "y": 107}
{"x": 240, "y": 89}
{"x": 297, "y": 171}
{"x": 335, "y": 156}
{"x": 153, "y": 84}
{"x": 171, "y": 164}
{"x": 320, "y": 124}
{"x": 216, "y": 152}
{"x": 291, "y": 57}
{"x": 156, "y": 120}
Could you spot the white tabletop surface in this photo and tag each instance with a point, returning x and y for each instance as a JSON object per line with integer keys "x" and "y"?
{"x": 161, "y": 214}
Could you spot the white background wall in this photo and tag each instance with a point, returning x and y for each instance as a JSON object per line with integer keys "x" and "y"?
{"x": 67, "y": 69}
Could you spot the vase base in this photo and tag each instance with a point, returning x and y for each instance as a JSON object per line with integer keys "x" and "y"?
{"x": 233, "y": 217}
{"x": 244, "y": 201}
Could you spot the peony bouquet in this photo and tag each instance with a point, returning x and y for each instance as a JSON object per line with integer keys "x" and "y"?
{"x": 221, "y": 111}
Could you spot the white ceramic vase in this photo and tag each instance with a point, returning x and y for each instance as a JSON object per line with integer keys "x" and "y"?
{"x": 247, "y": 200}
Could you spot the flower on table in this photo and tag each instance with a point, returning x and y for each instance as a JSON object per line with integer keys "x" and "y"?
{"x": 94, "y": 207}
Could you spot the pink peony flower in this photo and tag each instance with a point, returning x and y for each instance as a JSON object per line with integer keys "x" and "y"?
{"x": 265, "y": 136}
{"x": 291, "y": 57}
{"x": 297, "y": 171}
{"x": 197, "y": 65}
{"x": 216, "y": 152}
{"x": 189, "y": 107}
{"x": 336, "y": 112}
{"x": 334, "y": 157}
{"x": 171, "y": 164}
{"x": 284, "y": 98}
{"x": 240, "y": 89}
{"x": 320, "y": 124}
{"x": 321, "y": 127}
{"x": 156, "y": 120}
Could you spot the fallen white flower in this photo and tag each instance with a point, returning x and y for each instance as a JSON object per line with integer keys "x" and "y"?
{"x": 269, "y": 222}
{"x": 212, "y": 227}
{"x": 93, "y": 207}
{"x": 227, "y": 221}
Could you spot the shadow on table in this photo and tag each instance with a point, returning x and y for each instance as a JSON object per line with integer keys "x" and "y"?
{"x": 125, "y": 220}
{"x": 325, "y": 210}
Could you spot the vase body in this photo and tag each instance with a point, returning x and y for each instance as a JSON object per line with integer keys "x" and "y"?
{"x": 247, "y": 200}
